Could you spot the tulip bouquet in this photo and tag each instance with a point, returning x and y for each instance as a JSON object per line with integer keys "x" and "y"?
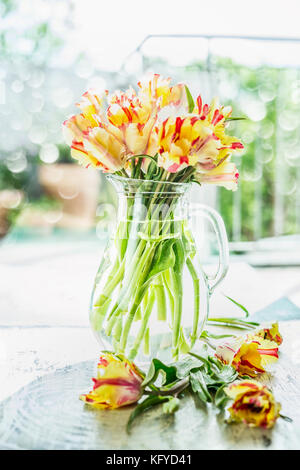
{"x": 125, "y": 132}
{"x": 148, "y": 140}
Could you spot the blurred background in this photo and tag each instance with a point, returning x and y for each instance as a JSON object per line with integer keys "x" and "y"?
{"x": 55, "y": 216}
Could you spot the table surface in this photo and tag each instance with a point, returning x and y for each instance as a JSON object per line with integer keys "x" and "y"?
{"x": 46, "y": 413}
{"x": 48, "y": 284}
{"x": 41, "y": 330}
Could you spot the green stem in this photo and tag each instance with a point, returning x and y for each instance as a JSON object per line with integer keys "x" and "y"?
{"x": 131, "y": 286}
{"x": 132, "y": 274}
{"x": 147, "y": 342}
{"x": 112, "y": 281}
{"x": 135, "y": 261}
{"x": 196, "y": 283}
{"x": 177, "y": 282}
{"x": 143, "y": 327}
{"x": 160, "y": 300}
{"x": 140, "y": 271}
{"x": 129, "y": 320}
{"x": 167, "y": 283}
{"x": 138, "y": 314}
{"x": 113, "y": 317}
{"x": 233, "y": 322}
{"x": 117, "y": 332}
{"x": 184, "y": 347}
{"x": 177, "y": 388}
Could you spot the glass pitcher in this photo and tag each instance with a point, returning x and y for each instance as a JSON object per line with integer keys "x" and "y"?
{"x": 151, "y": 295}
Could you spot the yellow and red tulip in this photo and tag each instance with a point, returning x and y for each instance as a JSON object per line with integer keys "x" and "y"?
{"x": 92, "y": 106}
{"x": 186, "y": 142}
{"x": 253, "y": 404}
{"x": 158, "y": 122}
{"x": 201, "y": 142}
{"x": 270, "y": 333}
{"x": 248, "y": 355}
{"x": 108, "y": 151}
{"x": 74, "y": 127}
{"x": 118, "y": 383}
{"x": 224, "y": 174}
{"x": 218, "y": 170}
{"x": 177, "y": 140}
{"x": 157, "y": 93}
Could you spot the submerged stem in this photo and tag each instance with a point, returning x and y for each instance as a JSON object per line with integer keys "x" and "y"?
{"x": 167, "y": 283}
{"x": 196, "y": 283}
{"x": 143, "y": 327}
{"x": 177, "y": 283}
{"x": 160, "y": 300}
{"x": 134, "y": 271}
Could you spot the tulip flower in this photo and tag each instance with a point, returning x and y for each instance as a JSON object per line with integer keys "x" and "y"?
{"x": 118, "y": 383}
{"x": 216, "y": 168}
{"x": 105, "y": 148}
{"x": 223, "y": 174}
{"x": 85, "y": 158}
{"x": 159, "y": 94}
{"x": 185, "y": 141}
{"x": 193, "y": 141}
{"x": 111, "y": 129}
{"x": 74, "y": 127}
{"x": 134, "y": 120}
{"x": 271, "y": 333}
{"x": 253, "y": 404}
{"x": 92, "y": 106}
{"x": 248, "y": 356}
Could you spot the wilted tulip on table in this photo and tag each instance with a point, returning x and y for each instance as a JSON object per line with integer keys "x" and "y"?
{"x": 253, "y": 404}
{"x": 118, "y": 383}
{"x": 250, "y": 354}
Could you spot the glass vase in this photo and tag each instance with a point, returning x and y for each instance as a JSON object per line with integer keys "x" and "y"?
{"x": 151, "y": 294}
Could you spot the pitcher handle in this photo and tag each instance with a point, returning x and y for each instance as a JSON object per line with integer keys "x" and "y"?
{"x": 217, "y": 222}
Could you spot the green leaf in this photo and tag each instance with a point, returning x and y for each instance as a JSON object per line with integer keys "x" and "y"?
{"x": 238, "y": 305}
{"x": 163, "y": 259}
{"x": 221, "y": 398}
{"x": 190, "y": 99}
{"x": 142, "y": 156}
{"x": 188, "y": 243}
{"x": 217, "y": 364}
{"x": 235, "y": 119}
{"x": 203, "y": 359}
{"x": 178, "y": 250}
{"x": 184, "y": 366}
{"x": 225, "y": 376}
{"x": 184, "y": 347}
{"x": 286, "y": 418}
{"x": 199, "y": 386}
{"x": 157, "y": 367}
{"x": 171, "y": 406}
{"x": 233, "y": 322}
{"x": 149, "y": 402}
{"x": 207, "y": 334}
{"x": 152, "y": 168}
{"x": 215, "y": 373}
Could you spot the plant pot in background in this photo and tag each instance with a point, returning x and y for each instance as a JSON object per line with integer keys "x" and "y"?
{"x": 76, "y": 188}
